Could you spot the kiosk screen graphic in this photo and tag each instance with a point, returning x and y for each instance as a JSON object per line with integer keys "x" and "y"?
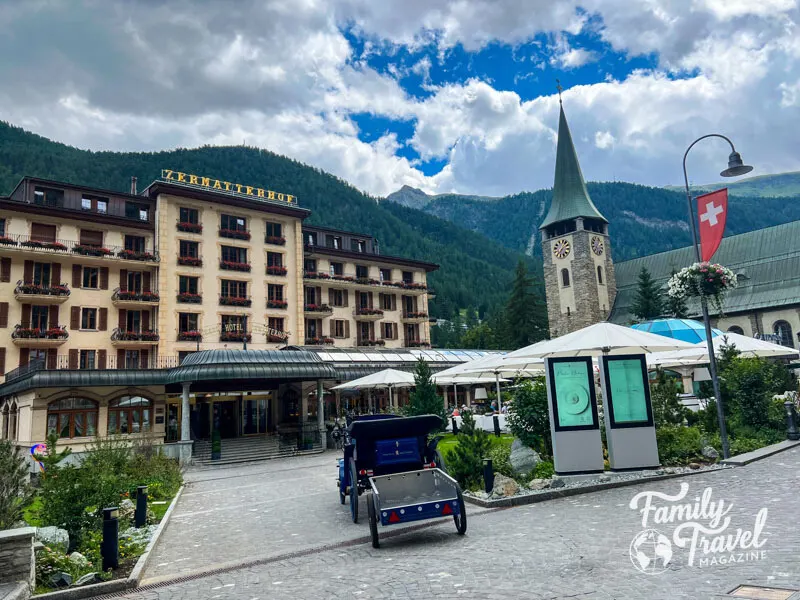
{"x": 573, "y": 396}
{"x": 627, "y": 391}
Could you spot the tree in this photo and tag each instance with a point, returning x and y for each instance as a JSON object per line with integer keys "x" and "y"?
{"x": 465, "y": 461}
{"x": 676, "y": 306}
{"x": 647, "y": 304}
{"x": 525, "y": 313}
{"x": 15, "y": 493}
{"x": 424, "y": 400}
{"x": 528, "y": 418}
{"x": 667, "y": 408}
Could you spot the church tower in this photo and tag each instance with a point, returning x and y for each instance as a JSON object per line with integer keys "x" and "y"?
{"x": 578, "y": 270}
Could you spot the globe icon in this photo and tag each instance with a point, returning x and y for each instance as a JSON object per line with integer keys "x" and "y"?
{"x": 651, "y": 552}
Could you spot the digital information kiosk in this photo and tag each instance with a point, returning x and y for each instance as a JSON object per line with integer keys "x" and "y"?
{"x": 574, "y": 426}
{"x": 630, "y": 432}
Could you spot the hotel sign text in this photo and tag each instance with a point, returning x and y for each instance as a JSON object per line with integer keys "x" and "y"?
{"x": 226, "y": 186}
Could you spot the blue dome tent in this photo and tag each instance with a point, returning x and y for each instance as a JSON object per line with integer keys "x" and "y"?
{"x": 687, "y": 330}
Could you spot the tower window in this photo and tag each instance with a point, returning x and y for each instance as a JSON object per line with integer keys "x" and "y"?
{"x": 600, "y": 275}
{"x": 564, "y": 277}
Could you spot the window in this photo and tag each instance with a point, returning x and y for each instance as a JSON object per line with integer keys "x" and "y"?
{"x": 41, "y": 274}
{"x": 187, "y": 322}
{"x": 232, "y": 254}
{"x": 182, "y": 354}
{"x": 310, "y": 265}
{"x": 362, "y": 272}
{"x": 565, "y": 277}
{"x": 86, "y": 203}
{"x": 91, "y": 277}
{"x": 48, "y": 196}
{"x": 783, "y": 330}
{"x": 358, "y": 245}
{"x": 94, "y": 203}
{"x": 91, "y": 238}
{"x": 233, "y": 289}
{"x": 339, "y": 329}
{"x": 187, "y": 285}
{"x": 337, "y": 297}
{"x": 188, "y": 249}
{"x": 408, "y": 277}
{"x": 129, "y": 414}
{"x": 311, "y": 295}
{"x": 312, "y": 329}
{"x": 333, "y": 241}
{"x": 188, "y": 215}
{"x": 388, "y": 331}
{"x": 87, "y": 359}
{"x": 274, "y": 259}
{"x": 600, "y": 275}
{"x": 43, "y": 233}
{"x": 387, "y": 301}
{"x": 88, "y": 318}
{"x": 274, "y": 292}
{"x": 412, "y": 333}
{"x": 232, "y": 223}
{"x": 134, "y": 210}
{"x": 39, "y": 316}
{"x": 134, "y": 321}
{"x": 132, "y": 359}
{"x": 736, "y": 329}
{"x": 134, "y": 243}
{"x": 37, "y": 355}
{"x": 362, "y": 298}
{"x": 337, "y": 268}
{"x": 2, "y": 227}
{"x": 232, "y": 323}
{"x": 311, "y": 239}
{"x": 72, "y": 417}
{"x": 274, "y": 229}
{"x": 386, "y": 274}
{"x": 276, "y": 323}
{"x": 102, "y": 206}
{"x": 135, "y": 282}
{"x": 364, "y": 332}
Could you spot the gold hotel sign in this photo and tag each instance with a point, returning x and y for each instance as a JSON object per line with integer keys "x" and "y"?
{"x": 226, "y": 186}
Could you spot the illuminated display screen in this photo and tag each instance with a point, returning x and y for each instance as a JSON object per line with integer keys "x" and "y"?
{"x": 628, "y": 390}
{"x": 572, "y": 394}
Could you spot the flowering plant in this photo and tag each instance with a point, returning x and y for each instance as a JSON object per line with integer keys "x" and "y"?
{"x": 190, "y": 227}
{"x": 368, "y": 311}
{"x": 312, "y": 275}
{"x": 134, "y": 255}
{"x": 234, "y": 336}
{"x": 190, "y": 298}
{"x": 190, "y": 261}
{"x": 189, "y": 335}
{"x": 416, "y": 315}
{"x": 317, "y": 308}
{"x": 7, "y": 241}
{"x": 702, "y": 279}
{"x": 276, "y": 270}
{"x": 372, "y": 343}
{"x": 418, "y": 344}
{"x": 274, "y": 239}
{"x": 230, "y": 265}
{"x": 87, "y": 250}
{"x": 277, "y": 304}
{"x": 237, "y": 234}
{"x": 234, "y": 301}
{"x": 319, "y": 341}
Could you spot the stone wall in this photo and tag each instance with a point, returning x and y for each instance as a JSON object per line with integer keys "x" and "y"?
{"x": 17, "y": 561}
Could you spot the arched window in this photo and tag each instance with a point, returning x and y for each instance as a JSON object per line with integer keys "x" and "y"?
{"x": 736, "y": 329}
{"x": 600, "y": 275}
{"x": 784, "y": 332}
{"x": 5, "y": 421}
{"x": 129, "y": 414}
{"x": 565, "y": 277}
{"x": 72, "y": 417}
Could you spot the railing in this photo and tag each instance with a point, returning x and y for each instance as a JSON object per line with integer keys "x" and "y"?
{"x": 318, "y": 308}
{"x": 235, "y": 300}
{"x": 319, "y": 341}
{"x": 190, "y": 261}
{"x": 352, "y": 279}
{"x": 367, "y": 312}
{"x": 277, "y": 304}
{"x": 276, "y": 270}
{"x": 62, "y": 363}
{"x": 59, "y": 332}
{"x": 371, "y": 342}
{"x": 28, "y": 243}
{"x": 275, "y": 240}
{"x": 414, "y": 315}
{"x": 118, "y": 335}
{"x": 189, "y": 227}
{"x": 134, "y": 296}
{"x": 236, "y": 234}
{"x": 61, "y": 289}
{"x": 190, "y": 336}
{"x": 188, "y": 298}
{"x": 229, "y": 265}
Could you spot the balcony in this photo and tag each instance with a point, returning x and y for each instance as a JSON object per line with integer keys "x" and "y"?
{"x": 33, "y": 337}
{"x": 133, "y": 299}
{"x": 190, "y": 336}
{"x": 342, "y": 280}
{"x": 323, "y": 310}
{"x": 25, "y": 243}
{"x": 235, "y": 234}
{"x": 189, "y": 298}
{"x": 414, "y": 317}
{"x": 229, "y": 265}
{"x": 190, "y": 261}
{"x": 32, "y": 293}
{"x": 370, "y": 342}
{"x": 189, "y": 227}
{"x": 368, "y": 314}
{"x": 245, "y": 301}
{"x": 319, "y": 341}
{"x": 133, "y": 339}
{"x": 275, "y": 240}
{"x": 277, "y": 270}
{"x": 277, "y": 304}
{"x": 235, "y": 336}
{"x": 62, "y": 363}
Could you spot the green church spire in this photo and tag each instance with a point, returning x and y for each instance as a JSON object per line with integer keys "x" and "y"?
{"x": 570, "y": 197}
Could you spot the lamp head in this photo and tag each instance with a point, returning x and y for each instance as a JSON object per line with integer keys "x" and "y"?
{"x": 735, "y": 166}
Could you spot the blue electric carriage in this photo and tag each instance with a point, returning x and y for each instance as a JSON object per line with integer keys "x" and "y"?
{"x": 391, "y": 460}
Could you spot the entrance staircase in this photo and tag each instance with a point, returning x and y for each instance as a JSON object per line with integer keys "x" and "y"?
{"x": 249, "y": 449}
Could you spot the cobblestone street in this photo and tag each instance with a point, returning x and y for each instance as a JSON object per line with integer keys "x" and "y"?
{"x": 569, "y": 548}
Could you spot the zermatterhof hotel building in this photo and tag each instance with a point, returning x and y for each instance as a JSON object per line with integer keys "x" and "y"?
{"x": 198, "y": 305}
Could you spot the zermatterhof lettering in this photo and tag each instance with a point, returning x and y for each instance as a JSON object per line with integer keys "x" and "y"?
{"x": 226, "y": 186}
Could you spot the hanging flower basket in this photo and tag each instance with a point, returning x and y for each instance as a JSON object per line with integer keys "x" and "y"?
{"x": 703, "y": 279}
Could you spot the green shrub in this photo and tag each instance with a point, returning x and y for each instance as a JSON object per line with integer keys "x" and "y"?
{"x": 678, "y": 444}
{"x": 528, "y": 418}
{"x": 425, "y": 400}
{"x": 465, "y": 461}
{"x": 543, "y": 470}
{"x": 162, "y": 475}
{"x": 667, "y": 408}
{"x": 742, "y": 445}
{"x": 15, "y": 493}
{"x": 501, "y": 459}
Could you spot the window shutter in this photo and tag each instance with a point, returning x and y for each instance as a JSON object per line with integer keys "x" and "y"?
{"x": 77, "y": 276}
{"x": 91, "y": 238}
{"x": 43, "y": 233}
{"x": 146, "y": 281}
{"x": 27, "y": 272}
{"x": 2, "y": 360}
{"x": 103, "y": 278}
{"x": 5, "y": 269}
{"x": 26, "y": 315}
{"x": 3, "y": 315}
{"x": 102, "y": 325}
{"x": 102, "y": 359}
{"x": 146, "y": 320}
{"x": 73, "y": 359}
{"x": 55, "y": 277}
{"x": 347, "y": 329}
{"x": 75, "y": 318}
{"x": 144, "y": 355}
{"x": 120, "y": 359}
{"x": 52, "y": 356}
{"x": 53, "y": 316}
{"x": 122, "y": 323}
{"x": 123, "y": 279}
{"x": 23, "y": 356}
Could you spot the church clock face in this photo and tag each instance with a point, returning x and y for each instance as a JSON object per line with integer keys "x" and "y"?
{"x": 597, "y": 245}
{"x": 561, "y": 249}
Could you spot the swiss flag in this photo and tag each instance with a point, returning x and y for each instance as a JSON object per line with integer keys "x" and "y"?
{"x": 712, "y": 209}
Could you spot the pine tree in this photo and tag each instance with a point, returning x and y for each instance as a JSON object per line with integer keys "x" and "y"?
{"x": 424, "y": 400}
{"x": 648, "y": 302}
{"x": 676, "y": 306}
{"x": 465, "y": 462}
{"x": 16, "y": 493}
{"x": 526, "y": 319}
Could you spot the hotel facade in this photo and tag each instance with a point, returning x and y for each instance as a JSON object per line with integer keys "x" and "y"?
{"x": 105, "y": 296}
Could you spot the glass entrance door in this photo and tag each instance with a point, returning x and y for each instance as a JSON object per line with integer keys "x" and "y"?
{"x": 254, "y": 416}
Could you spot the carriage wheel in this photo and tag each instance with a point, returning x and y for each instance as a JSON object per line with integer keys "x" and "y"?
{"x": 353, "y": 491}
{"x": 373, "y": 521}
{"x": 461, "y": 517}
{"x": 342, "y": 495}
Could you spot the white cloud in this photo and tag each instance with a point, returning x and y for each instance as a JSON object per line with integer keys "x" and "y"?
{"x": 603, "y": 139}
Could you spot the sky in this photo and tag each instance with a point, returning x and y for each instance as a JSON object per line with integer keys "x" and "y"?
{"x": 442, "y": 95}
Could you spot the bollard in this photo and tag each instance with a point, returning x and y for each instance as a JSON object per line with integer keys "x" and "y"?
{"x": 455, "y": 427}
{"x": 140, "y": 516}
{"x": 109, "y": 547}
{"x": 496, "y": 420}
{"x": 488, "y": 475}
{"x": 792, "y": 432}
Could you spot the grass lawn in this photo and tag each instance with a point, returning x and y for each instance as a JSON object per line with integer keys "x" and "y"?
{"x": 449, "y": 441}
{"x": 31, "y": 512}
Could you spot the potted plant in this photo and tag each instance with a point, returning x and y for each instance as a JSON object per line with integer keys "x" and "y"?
{"x": 703, "y": 279}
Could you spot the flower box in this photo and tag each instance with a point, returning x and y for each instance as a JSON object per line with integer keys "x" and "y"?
{"x": 369, "y": 311}
{"x": 323, "y": 308}
{"x": 367, "y": 281}
{"x": 137, "y": 296}
{"x": 275, "y": 240}
{"x": 323, "y": 341}
{"x": 346, "y": 278}
{"x": 136, "y": 336}
{"x": 33, "y": 288}
{"x": 406, "y": 285}
{"x": 312, "y": 275}
{"x": 228, "y": 265}
{"x": 188, "y": 298}
{"x": 85, "y": 250}
{"x": 7, "y": 241}
{"x": 135, "y": 255}
{"x": 235, "y": 234}
{"x": 418, "y": 344}
{"x": 190, "y": 261}
{"x": 703, "y": 280}
{"x": 276, "y": 270}
{"x": 190, "y": 227}
{"x": 234, "y": 336}
{"x": 52, "y": 333}
{"x": 234, "y": 301}
{"x": 189, "y": 336}
{"x": 372, "y": 343}
{"x": 277, "y": 304}
{"x": 416, "y": 315}
{"x": 44, "y": 245}
{"x": 55, "y": 333}
{"x": 277, "y": 339}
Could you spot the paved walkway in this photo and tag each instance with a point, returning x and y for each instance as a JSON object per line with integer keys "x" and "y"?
{"x": 569, "y": 548}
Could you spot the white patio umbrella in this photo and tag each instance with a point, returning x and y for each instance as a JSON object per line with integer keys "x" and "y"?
{"x": 686, "y": 357}
{"x": 749, "y": 346}
{"x": 388, "y": 378}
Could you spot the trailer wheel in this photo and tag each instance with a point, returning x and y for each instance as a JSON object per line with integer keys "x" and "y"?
{"x": 373, "y": 521}
{"x": 461, "y": 517}
{"x": 342, "y": 496}
{"x": 353, "y": 491}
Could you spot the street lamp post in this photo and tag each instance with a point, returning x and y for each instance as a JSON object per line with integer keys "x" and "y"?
{"x": 735, "y": 168}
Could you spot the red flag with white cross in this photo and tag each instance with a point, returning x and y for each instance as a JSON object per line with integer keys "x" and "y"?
{"x": 712, "y": 209}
